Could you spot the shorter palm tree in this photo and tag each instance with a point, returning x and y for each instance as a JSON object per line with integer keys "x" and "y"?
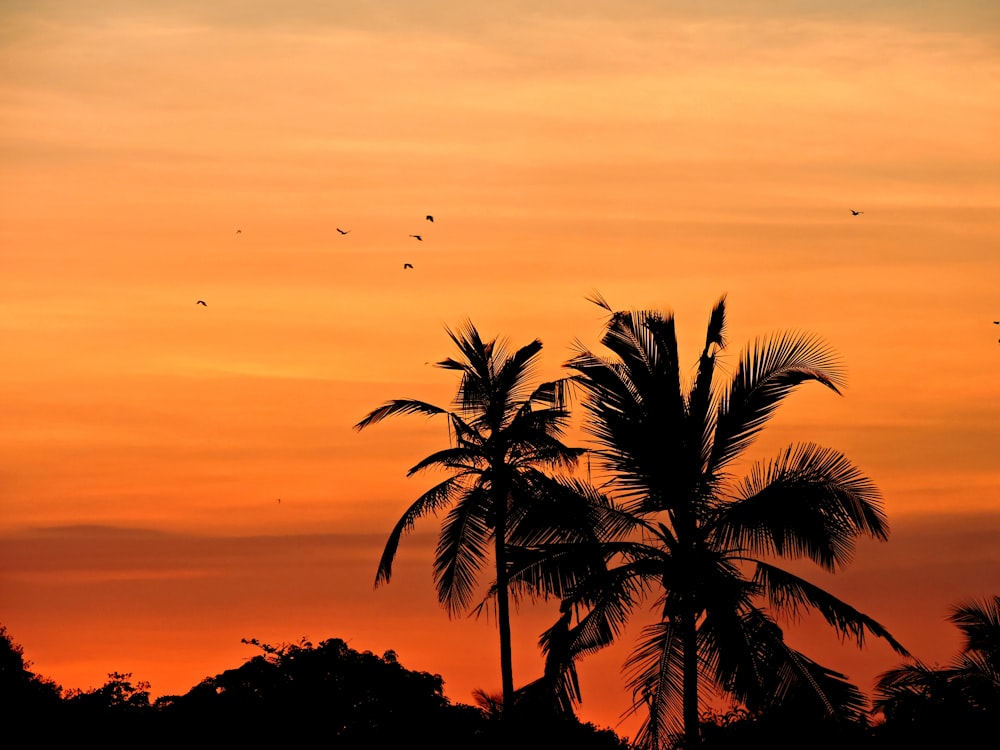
{"x": 505, "y": 439}
{"x": 964, "y": 696}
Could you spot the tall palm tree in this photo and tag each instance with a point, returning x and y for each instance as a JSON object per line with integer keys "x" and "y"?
{"x": 505, "y": 436}
{"x": 704, "y": 542}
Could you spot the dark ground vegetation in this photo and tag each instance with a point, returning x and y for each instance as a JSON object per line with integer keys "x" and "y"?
{"x": 329, "y": 695}
{"x": 297, "y": 695}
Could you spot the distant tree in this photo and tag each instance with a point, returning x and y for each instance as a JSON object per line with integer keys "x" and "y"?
{"x": 23, "y": 693}
{"x": 71, "y": 717}
{"x": 119, "y": 707}
{"x": 117, "y": 694}
{"x": 296, "y": 692}
{"x": 701, "y": 541}
{"x": 505, "y": 436}
{"x": 782, "y": 727}
{"x": 957, "y": 702}
{"x": 537, "y": 726}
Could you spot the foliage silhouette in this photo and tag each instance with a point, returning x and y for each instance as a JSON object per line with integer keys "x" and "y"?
{"x": 65, "y": 718}
{"x": 117, "y": 694}
{"x": 297, "y": 691}
{"x": 537, "y": 725}
{"x": 504, "y": 439}
{"x": 949, "y": 705}
{"x": 782, "y": 727}
{"x": 287, "y": 695}
{"x": 698, "y": 539}
{"x": 23, "y": 694}
{"x": 119, "y": 706}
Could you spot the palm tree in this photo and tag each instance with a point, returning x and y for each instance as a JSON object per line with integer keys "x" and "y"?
{"x": 702, "y": 541}
{"x": 964, "y": 696}
{"x": 504, "y": 437}
{"x": 979, "y": 663}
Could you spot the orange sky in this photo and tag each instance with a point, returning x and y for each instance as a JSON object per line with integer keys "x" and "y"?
{"x": 663, "y": 153}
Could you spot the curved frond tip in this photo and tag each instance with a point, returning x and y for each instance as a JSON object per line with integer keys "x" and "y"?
{"x": 399, "y": 406}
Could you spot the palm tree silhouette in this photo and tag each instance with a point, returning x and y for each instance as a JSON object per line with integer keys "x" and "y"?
{"x": 699, "y": 538}
{"x": 504, "y": 437}
{"x": 962, "y": 696}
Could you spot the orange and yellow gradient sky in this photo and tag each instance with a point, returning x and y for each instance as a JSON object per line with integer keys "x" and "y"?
{"x": 663, "y": 153}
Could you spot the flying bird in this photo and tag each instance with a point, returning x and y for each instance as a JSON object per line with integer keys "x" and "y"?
{"x": 407, "y": 265}
{"x": 343, "y": 231}
{"x": 856, "y": 213}
{"x": 201, "y": 302}
{"x": 417, "y": 236}
{"x": 430, "y": 218}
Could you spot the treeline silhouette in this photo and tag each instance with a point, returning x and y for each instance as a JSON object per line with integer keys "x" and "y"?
{"x": 331, "y": 695}
{"x": 292, "y": 695}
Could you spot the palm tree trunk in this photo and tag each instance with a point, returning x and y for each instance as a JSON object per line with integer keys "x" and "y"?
{"x": 689, "y": 639}
{"x": 503, "y": 611}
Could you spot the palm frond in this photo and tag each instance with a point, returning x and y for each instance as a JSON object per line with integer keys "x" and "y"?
{"x": 560, "y": 673}
{"x": 545, "y": 452}
{"x": 517, "y": 371}
{"x": 716, "y": 335}
{"x": 768, "y": 372}
{"x": 904, "y": 691}
{"x": 701, "y": 398}
{"x": 476, "y": 366}
{"x": 555, "y": 394}
{"x": 608, "y": 522}
{"x": 463, "y": 459}
{"x": 751, "y": 661}
{"x": 550, "y": 570}
{"x": 535, "y": 426}
{"x": 399, "y": 406}
{"x": 553, "y": 509}
{"x": 463, "y": 433}
{"x": 979, "y": 669}
{"x": 831, "y": 690}
{"x": 638, "y": 411}
{"x": 789, "y": 593}
{"x": 645, "y": 344}
{"x": 735, "y": 643}
{"x": 431, "y": 501}
{"x": 605, "y": 600}
{"x": 808, "y": 501}
{"x": 654, "y": 675}
{"x": 462, "y": 550}
{"x": 979, "y": 621}
{"x": 598, "y": 299}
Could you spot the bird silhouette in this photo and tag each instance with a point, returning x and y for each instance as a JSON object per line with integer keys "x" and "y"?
{"x": 239, "y": 231}
{"x": 417, "y": 236}
{"x": 343, "y": 231}
{"x": 430, "y": 218}
{"x": 407, "y": 265}
{"x": 201, "y": 302}
{"x": 856, "y": 213}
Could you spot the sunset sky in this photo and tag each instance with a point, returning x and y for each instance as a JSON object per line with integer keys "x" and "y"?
{"x": 664, "y": 153}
